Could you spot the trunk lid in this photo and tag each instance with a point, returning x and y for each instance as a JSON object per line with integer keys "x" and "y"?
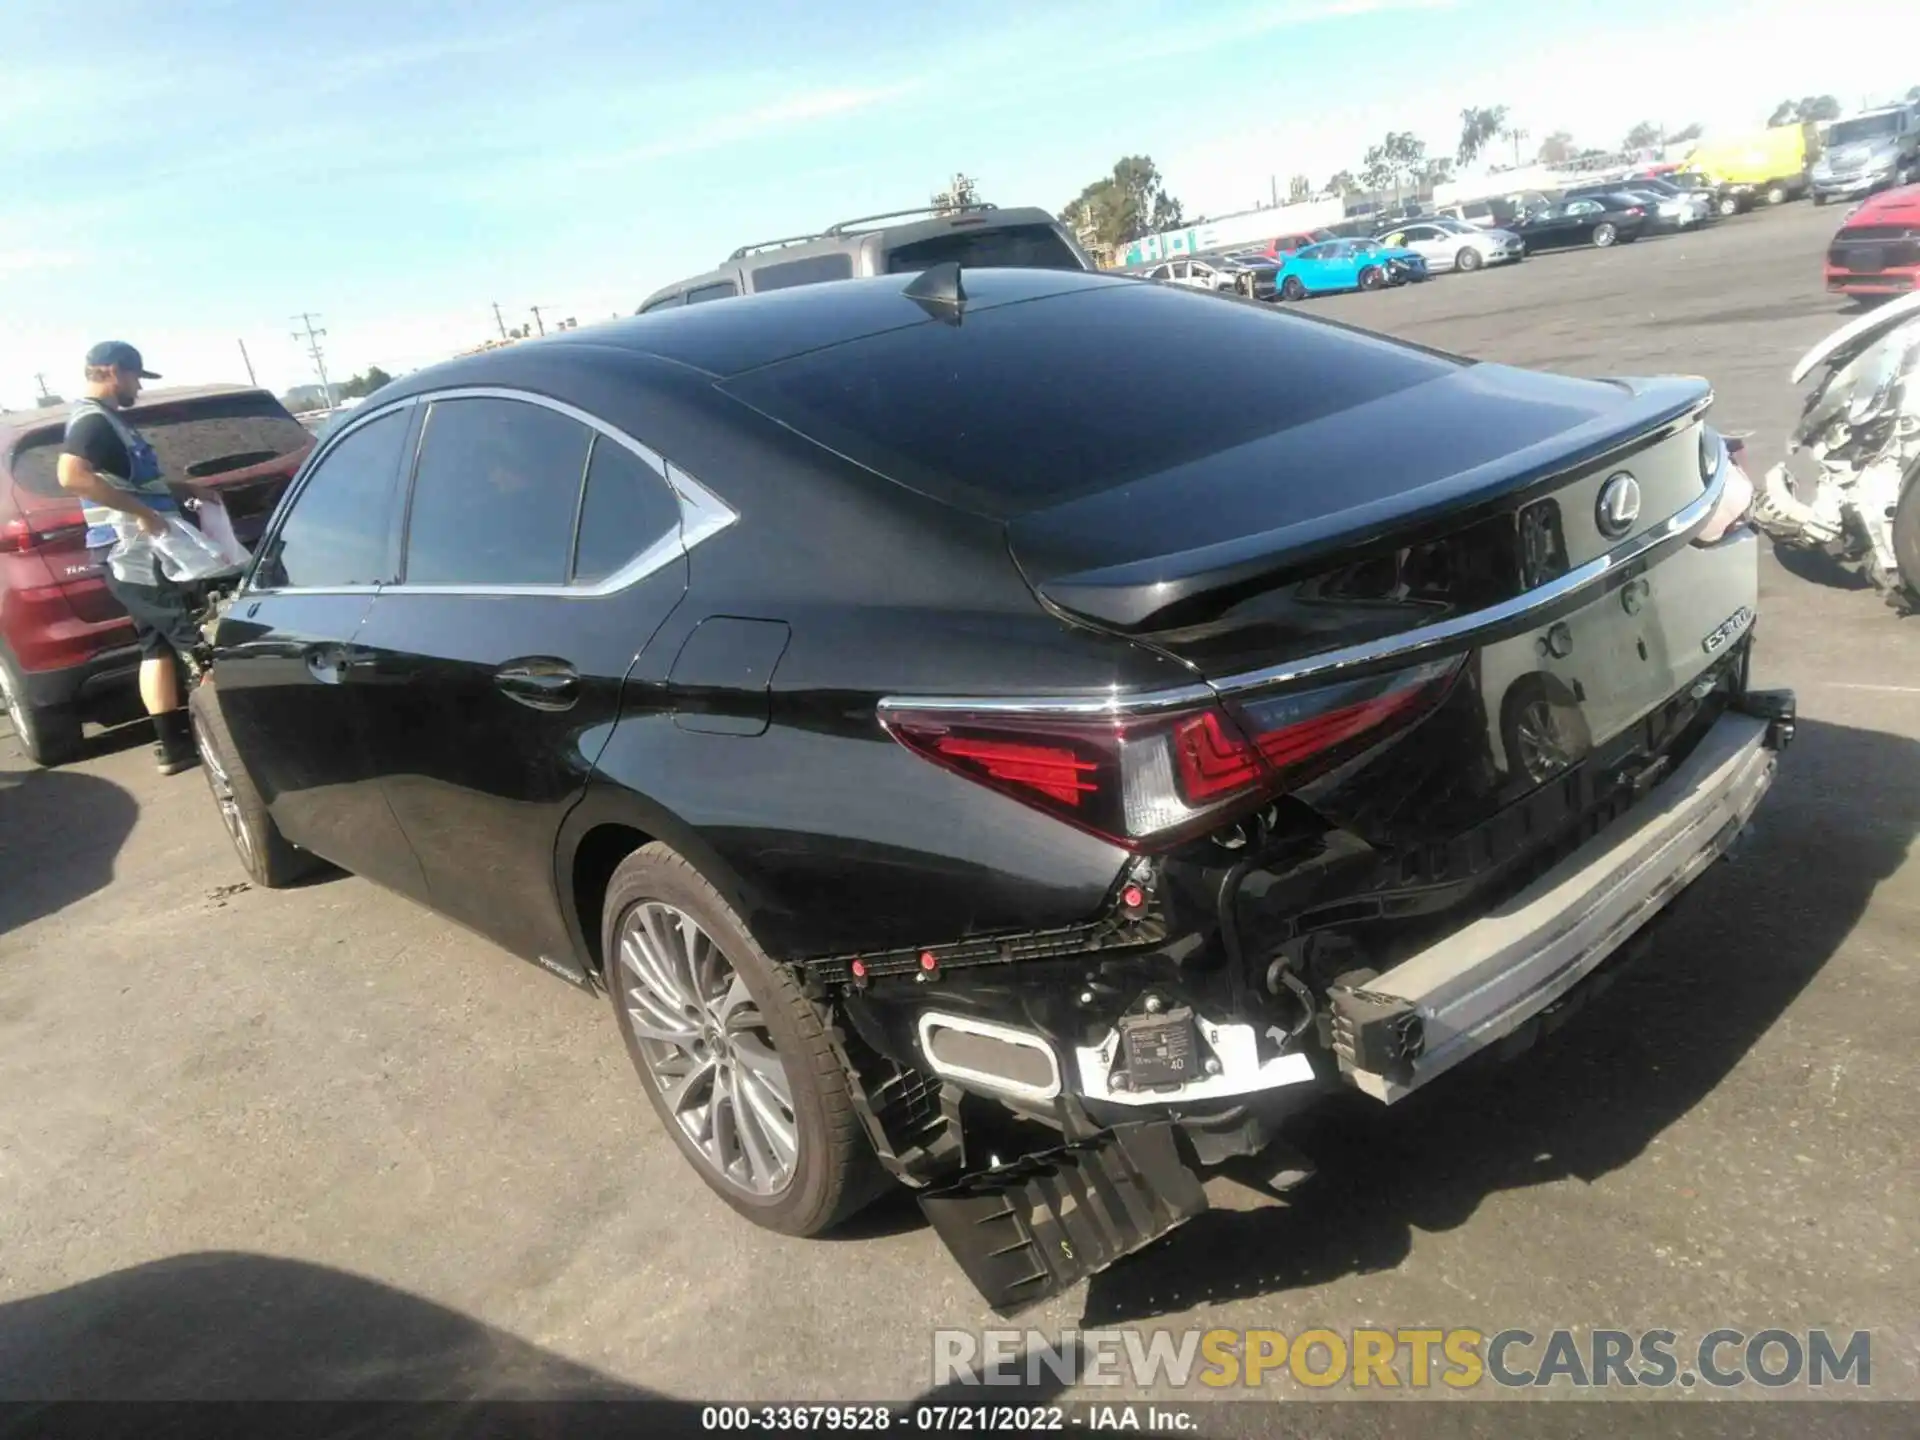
{"x": 1494, "y": 493}
{"x": 1301, "y": 540}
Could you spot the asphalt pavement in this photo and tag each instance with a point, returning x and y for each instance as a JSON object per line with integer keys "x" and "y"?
{"x": 321, "y": 1142}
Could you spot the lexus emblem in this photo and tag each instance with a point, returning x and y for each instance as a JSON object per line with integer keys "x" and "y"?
{"x": 1618, "y": 506}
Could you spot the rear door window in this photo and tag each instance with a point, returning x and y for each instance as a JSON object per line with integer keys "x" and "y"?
{"x": 719, "y": 290}
{"x": 495, "y": 492}
{"x": 340, "y": 529}
{"x": 812, "y": 270}
{"x": 1032, "y": 247}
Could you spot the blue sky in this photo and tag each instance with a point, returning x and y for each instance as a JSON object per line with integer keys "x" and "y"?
{"x": 189, "y": 174}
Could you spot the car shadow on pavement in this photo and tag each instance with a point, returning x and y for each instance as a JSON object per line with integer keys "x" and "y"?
{"x": 236, "y": 1327}
{"x": 1721, "y": 968}
{"x": 60, "y": 832}
{"x": 1818, "y": 568}
{"x": 230, "y": 1326}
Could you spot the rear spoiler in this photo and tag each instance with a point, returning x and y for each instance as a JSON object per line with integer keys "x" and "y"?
{"x": 1130, "y": 596}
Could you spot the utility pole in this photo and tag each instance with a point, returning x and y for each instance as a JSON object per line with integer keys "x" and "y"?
{"x": 536, "y": 317}
{"x": 1273, "y": 184}
{"x": 247, "y": 360}
{"x": 41, "y": 381}
{"x": 498, "y": 321}
{"x": 312, "y": 338}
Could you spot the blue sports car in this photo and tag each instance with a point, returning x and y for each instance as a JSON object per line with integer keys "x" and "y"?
{"x": 1347, "y": 265}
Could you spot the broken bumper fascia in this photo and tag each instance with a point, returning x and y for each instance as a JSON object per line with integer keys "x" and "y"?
{"x": 1481, "y": 983}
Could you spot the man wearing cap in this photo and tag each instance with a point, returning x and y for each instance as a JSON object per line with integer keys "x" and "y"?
{"x": 125, "y": 502}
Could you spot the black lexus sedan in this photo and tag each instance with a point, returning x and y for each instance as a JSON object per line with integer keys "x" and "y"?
{"x": 1018, "y": 734}
{"x": 1597, "y": 220}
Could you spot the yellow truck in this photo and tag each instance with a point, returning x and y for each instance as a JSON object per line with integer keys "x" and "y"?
{"x": 1761, "y": 166}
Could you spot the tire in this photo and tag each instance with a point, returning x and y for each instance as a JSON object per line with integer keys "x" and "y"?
{"x": 1778, "y": 195}
{"x": 1371, "y": 278}
{"x": 833, "y": 1172}
{"x": 1906, "y": 539}
{"x": 1293, "y": 288}
{"x": 1728, "y": 206}
{"x": 271, "y": 861}
{"x": 1818, "y": 198}
{"x": 1468, "y": 259}
{"x": 48, "y": 734}
{"x": 1604, "y": 235}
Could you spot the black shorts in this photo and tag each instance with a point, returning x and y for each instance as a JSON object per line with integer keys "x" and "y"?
{"x": 161, "y": 620}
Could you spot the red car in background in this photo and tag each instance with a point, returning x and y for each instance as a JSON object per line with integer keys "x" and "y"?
{"x": 67, "y": 651}
{"x": 1282, "y": 246}
{"x": 1877, "y": 251}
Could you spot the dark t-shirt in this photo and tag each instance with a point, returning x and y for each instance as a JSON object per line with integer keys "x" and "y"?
{"x": 95, "y": 441}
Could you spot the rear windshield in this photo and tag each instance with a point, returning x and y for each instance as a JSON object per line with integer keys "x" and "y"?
{"x": 1034, "y": 247}
{"x": 812, "y": 270}
{"x": 1029, "y": 405}
{"x": 193, "y": 439}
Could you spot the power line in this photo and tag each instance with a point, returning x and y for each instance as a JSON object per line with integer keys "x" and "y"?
{"x": 312, "y": 338}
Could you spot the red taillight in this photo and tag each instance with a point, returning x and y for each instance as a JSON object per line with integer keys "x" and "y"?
{"x": 19, "y": 537}
{"x": 1053, "y": 770}
{"x": 1146, "y": 780}
{"x": 1213, "y": 758}
{"x": 1636, "y": 210}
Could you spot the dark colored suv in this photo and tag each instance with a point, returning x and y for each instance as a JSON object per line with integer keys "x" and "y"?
{"x": 66, "y": 647}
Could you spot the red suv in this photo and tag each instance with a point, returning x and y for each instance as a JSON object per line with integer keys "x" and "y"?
{"x": 66, "y": 647}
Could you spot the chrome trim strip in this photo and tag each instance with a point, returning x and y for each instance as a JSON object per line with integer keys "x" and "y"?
{"x": 1115, "y": 702}
{"x": 965, "y": 1024}
{"x": 1407, "y": 645}
{"x": 703, "y": 514}
{"x": 1544, "y": 597}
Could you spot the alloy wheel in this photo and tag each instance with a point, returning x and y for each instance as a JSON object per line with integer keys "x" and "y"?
{"x": 707, "y": 1048}
{"x": 221, "y": 783}
{"x": 1545, "y": 745}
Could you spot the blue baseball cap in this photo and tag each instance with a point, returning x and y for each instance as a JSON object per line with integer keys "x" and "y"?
{"x": 120, "y": 356}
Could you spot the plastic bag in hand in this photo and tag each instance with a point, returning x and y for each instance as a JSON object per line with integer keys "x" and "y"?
{"x": 185, "y": 554}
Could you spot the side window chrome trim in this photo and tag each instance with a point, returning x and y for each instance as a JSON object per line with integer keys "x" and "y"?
{"x": 703, "y": 514}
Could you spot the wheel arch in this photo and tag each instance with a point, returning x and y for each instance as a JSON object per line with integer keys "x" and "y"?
{"x": 603, "y": 829}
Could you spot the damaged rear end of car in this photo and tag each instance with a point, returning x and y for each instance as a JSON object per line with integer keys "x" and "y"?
{"x": 1466, "y": 704}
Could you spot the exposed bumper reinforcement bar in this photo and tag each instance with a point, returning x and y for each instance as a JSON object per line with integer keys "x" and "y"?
{"x": 1460, "y": 995}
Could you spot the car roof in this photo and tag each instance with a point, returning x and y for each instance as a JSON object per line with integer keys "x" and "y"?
{"x": 754, "y": 330}
{"x": 16, "y": 423}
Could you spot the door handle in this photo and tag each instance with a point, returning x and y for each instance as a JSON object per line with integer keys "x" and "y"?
{"x": 329, "y": 664}
{"x": 539, "y": 684}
